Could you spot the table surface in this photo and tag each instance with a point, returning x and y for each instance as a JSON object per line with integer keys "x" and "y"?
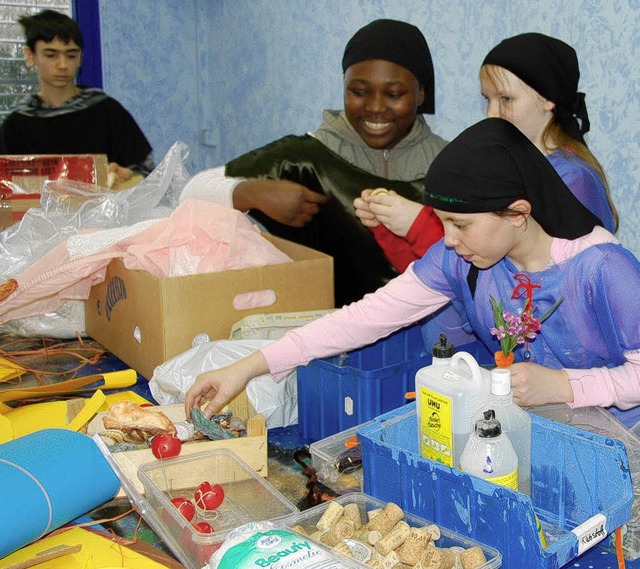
{"x": 286, "y": 460}
{"x": 288, "y": 477}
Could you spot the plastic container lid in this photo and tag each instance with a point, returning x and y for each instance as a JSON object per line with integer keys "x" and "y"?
{"x": 443, "y": 348}
{"x": 489, "y": 427}
{"x": 500, "y": 381}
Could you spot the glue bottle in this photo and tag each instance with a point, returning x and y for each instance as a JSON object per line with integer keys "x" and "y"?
{"x": 447, "y": 398}
{"x": 515, "y": 422}
{"x": 441, "y": 354}
{"x": 442, "y": 351}
{"x": 489, "y": 453}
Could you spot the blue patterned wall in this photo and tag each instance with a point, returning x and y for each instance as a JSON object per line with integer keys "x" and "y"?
{"x": 225, "y": 76}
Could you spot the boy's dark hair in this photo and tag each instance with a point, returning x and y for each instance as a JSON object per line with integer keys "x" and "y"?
{"x": 49, "y": 25}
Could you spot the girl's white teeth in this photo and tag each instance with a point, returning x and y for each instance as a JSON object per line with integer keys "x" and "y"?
{"x": 376, "y": 125}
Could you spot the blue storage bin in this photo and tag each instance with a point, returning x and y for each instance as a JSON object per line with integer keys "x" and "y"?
{"x": 343, "y": 391}
{"x": 337, "y": 393}
{"x": 580, "y": 483}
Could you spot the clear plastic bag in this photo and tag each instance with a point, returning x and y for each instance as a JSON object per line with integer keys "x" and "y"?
{"x": 277, "y": 401}
{"x": 68, "y": 207}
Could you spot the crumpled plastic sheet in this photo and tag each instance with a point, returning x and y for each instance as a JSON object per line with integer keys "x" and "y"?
{"x": 278, "y": 402}
{"x": 67, "y": 207}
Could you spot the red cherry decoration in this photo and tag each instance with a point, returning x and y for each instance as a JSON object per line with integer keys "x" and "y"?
{"x": 203, "y": 527}
{"x": 166, "y": 445}
{"x": 208, "y": 496}
{"x": 185, "y": 507}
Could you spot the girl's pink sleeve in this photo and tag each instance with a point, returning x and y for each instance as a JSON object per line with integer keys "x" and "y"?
{"x": 401, "y": 302}
{"x": 619, "y": 386}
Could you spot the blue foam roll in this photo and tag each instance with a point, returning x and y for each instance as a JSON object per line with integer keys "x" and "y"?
{"x": 47, "y": 479}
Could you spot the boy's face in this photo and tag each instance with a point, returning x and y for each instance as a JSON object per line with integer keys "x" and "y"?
{"x": 56, "y": 62}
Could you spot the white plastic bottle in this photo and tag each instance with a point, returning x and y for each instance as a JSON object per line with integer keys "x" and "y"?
{"x": 515, "y": 422}
{"x": 489, "y": 453}
{"x": 447, "y": 398}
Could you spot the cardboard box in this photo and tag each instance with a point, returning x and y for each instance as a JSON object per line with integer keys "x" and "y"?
{"x": 252, "y": 448}
{"x": 145, "y": 320}
{"x": 21, "y": 178}
{"x": 12, "y": 209}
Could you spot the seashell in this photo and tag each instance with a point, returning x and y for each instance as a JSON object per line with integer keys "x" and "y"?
{"x": 210, "y": 428}
{"x": 140, "y": 422}
{"x": 185, "y": 431}
{"x": 112, "y": 437}
{"x": 237, "y": 426}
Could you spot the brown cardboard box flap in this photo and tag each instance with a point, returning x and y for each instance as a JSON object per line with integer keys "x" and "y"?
{"x": 146, "y": 320}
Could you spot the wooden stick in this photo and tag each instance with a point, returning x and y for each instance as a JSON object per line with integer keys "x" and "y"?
{"x": 46, "y": 555}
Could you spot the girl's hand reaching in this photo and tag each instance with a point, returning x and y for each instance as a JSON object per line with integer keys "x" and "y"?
{"x": 533, "y": 384}
{"x": 220, "y": 386}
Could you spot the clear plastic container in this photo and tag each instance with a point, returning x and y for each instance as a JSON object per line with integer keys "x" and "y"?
{"x": 308, "y": 519}
{"x": 327, "y": 454}
{"x": 248, "y": 498}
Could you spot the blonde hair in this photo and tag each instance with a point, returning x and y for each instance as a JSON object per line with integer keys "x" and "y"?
{"x": 554, "y": 138}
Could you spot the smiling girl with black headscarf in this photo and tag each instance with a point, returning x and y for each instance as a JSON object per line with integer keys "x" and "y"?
{"x": 508, "y": 217}
{"x": 302, "y": 187}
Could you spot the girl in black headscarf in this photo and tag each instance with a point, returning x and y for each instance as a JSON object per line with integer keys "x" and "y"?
{"x": 302, "y": 187}
{"x": 531, "y": 80}
{"x": 510, "y": 218}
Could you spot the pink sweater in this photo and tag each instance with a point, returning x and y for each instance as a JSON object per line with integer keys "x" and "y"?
{"x": 406, "y": 300}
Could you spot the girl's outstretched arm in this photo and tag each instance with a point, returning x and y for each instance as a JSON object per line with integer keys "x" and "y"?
{"x": 221, "y": 385}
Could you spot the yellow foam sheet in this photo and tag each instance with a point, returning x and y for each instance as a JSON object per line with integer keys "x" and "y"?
{"x": 9, "y": 370}
{"x": 97, "y": 553}
{"x": 55, "y": 414}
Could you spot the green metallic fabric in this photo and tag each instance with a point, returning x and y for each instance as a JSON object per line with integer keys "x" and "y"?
{"x": 360, "y": 266}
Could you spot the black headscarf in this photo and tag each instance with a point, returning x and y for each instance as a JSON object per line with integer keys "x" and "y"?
{"x": 550, "y": 67}
{"x": 492, "y": 164}
{"x": 399, "y": 43}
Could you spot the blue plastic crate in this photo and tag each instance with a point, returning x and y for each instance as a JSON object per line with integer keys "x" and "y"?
{"x": 343, "y": 391}
{"x": 337, "y": 393}
{"x": 578, "y": 479}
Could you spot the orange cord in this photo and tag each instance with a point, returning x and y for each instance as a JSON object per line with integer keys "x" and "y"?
{"x": 619, "y": 552}
{"x": 85, "y": 353}
{"x": 120, "y": 540}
